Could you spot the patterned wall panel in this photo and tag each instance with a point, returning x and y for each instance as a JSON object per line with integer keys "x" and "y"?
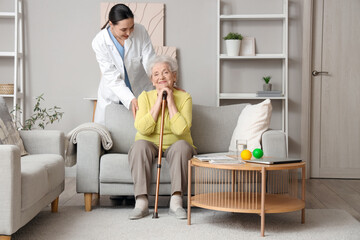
{"x": 163, "y": 50}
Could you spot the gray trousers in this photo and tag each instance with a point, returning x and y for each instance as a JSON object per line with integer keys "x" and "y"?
{"x": 142, "y": 154}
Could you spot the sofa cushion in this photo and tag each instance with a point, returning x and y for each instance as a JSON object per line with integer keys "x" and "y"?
{"x": 212, "y": 127}
{"x": 8, "y": 133}
{"x": 34, "y": 183}
{"x": 114, "y": 168}
{"x": 252, "y": 122}
{"x": 40, "y": 173}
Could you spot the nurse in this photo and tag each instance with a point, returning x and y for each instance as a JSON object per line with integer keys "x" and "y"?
{"x": 123, "y": 50}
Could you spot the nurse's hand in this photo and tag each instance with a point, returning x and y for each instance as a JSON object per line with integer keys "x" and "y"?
{"x": 134, "y": 106}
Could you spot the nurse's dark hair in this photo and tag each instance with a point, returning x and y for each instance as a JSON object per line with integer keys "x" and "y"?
{"x": 117, "y": 13}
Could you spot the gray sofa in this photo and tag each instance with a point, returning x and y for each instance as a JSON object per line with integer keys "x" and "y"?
{"x": 30, "y": 183}
{"x": 108, "y": 173}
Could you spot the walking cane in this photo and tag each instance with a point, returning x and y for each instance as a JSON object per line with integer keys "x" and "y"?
{"x": 160, "y": 153}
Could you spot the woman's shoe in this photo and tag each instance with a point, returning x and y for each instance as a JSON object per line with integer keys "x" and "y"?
{"x": 180, "y": 213}
{"x": 137, "y": 213}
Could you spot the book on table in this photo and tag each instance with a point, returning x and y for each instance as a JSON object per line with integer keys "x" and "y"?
{"x": 217, "y": 159}
{"x": 226, "y": 161}
{"x": 211, "y": 156}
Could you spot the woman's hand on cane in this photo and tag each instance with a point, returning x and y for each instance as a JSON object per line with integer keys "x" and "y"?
{"x": 170, "y": 101}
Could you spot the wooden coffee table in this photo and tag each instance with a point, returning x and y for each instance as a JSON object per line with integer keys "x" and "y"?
{"x": 247, "y": 188}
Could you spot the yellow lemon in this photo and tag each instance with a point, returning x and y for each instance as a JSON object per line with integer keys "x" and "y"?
{"x": 246, "y": 155}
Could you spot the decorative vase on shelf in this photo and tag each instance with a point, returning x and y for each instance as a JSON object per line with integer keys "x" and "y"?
{"x": 267, "y": 86}
{"x": 233, "y": 42}
{"x": 233, "y": 47}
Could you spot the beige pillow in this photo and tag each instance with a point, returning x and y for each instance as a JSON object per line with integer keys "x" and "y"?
{"x": 8, "y": 133}
{"x": 252, "y": 122}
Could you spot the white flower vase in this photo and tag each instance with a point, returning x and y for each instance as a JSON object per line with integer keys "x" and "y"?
{"x": 233, "y": 47}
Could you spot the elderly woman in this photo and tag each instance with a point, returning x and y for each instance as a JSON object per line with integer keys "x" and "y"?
{"x": 177, "y": 146}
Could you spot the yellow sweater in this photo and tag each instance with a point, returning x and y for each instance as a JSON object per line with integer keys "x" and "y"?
{"x": 176, "y": 128}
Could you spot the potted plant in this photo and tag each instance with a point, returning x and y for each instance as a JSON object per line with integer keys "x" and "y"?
{"x": 233, "y": 41}
{"x": 40, "y": 117}
{"x": 267, "y": 85}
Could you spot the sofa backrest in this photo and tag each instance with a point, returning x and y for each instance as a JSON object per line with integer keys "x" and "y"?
{"x": 212, "y": 127}
{"x": 211, "y": 130}
{"x": 120, "y": 123}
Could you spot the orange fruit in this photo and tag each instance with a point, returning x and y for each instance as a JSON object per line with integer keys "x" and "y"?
{"x": 246, "y": 155}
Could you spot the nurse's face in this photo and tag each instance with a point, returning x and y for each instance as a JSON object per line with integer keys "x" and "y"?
{"x": 122, "y": 29}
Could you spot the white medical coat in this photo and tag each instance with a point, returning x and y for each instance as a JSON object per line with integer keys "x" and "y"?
{"x": 112, "y": 88}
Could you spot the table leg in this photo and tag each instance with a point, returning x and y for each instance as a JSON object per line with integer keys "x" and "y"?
{"x": 233, "y": 181}
{"x": 263, "y": 190}
{"x": 95, "y": 103}
{"x": 189, "y": 193}
{"x": 303, "y": 193}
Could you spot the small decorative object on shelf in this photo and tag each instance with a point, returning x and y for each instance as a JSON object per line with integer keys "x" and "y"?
{"x": 6, "y": 89}
{"x": 233, "y": 42}
{"x": 247, "y": 46}
{"x": 267, "y": 86}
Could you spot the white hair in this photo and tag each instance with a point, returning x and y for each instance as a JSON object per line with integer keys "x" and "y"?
{"x": 171, "y": 62}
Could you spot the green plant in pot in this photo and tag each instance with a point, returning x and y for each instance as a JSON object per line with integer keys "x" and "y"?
{"x": 267, "y": 85}
{"x": 233, "y": 42}
{"x": 40, "y": 118}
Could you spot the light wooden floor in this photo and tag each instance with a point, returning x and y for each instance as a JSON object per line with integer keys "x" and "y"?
{"x": 320, "y": 193}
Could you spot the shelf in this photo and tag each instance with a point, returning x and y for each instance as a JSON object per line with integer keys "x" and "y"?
{"x": 19, "y": 95}
{"x": 253, "y": 17}
{"x": 245, "y": 96}
{"x": 257, "y": 56}
{"x": 91, "y": 98}
{"x": 7, "y": 15}
{"x": 10, "y": 54}
{"x": 7, "y": 54}
{"x": 7, "y": 95}
{"x": 16, "y": 25}
{"x": 271, "y": 55}
{"x": 235, "y": 202}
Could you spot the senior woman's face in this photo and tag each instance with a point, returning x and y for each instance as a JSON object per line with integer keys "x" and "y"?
{"x": 162, "y": 77}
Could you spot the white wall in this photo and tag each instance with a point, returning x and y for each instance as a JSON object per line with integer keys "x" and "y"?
{"x": 60, "y": 62}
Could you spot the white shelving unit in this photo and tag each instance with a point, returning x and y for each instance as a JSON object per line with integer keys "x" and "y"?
{"x": 283, "y": 57}
{"x": 17, "y": 55}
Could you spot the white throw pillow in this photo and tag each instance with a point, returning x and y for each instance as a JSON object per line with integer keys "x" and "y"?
{"x": 252, "y": 122}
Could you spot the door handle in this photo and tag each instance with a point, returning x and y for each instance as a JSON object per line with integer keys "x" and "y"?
{"x": 315, "y": 73}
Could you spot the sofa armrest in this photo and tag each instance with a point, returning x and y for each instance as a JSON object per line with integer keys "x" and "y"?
{"x": 88, "y": 162}
{"x": 44, "y": 141}
{"x": 10, "y": 189}
{"x": 274, "y": 143}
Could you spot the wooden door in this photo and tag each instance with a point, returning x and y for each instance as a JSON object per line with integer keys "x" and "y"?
{"x": 335, "y": 121}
